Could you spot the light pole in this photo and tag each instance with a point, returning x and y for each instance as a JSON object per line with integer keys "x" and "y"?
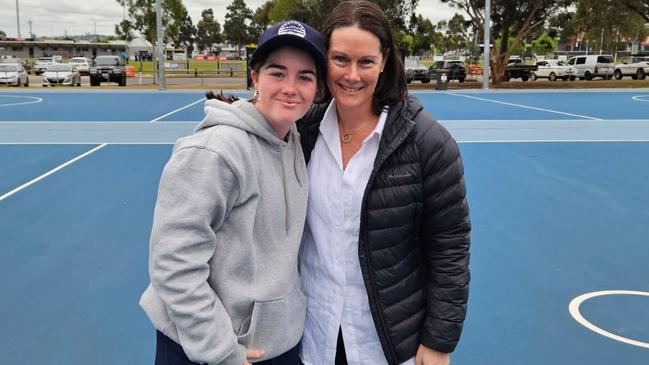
{"x": 18, "y": 18}
{"x": 160, "y": 46}
{"x": 487, "y": 39}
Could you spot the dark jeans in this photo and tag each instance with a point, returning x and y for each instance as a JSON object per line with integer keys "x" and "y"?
{"x": 168, "y": 352}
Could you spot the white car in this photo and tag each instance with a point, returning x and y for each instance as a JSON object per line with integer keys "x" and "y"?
{"x": 41, "y": 64}
{"x": 61, "y": 74}
{"x": 637, "y": 68}
{"x": 591, "y": 66}
{"x": 82, "y": 64}
{"x": 553, "y": 70}
{"x": 13, "y": 74}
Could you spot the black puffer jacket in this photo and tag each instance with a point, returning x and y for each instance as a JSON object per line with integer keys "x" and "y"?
{"x": 414, "y": 234}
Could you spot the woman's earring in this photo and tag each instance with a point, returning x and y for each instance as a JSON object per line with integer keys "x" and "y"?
{"x": 255, "y": 96}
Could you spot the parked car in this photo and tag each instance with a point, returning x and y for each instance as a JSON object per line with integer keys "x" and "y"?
{"x": 82, "y": 64}
{"x": 517, "y": 68}
{"x": 637, "y": 68}
{"x": 41, "y": 64}
{"x": 591, "y": 66}
{"x": 13, "y": 74}
{"x": 416, "y": 71}
{"x": 107, "y": 69}
{"x": 456, "y": 70}
{"x": 553, "y": 70}
{"x": 20, "y": 61}
{"x": 61, "y": 74}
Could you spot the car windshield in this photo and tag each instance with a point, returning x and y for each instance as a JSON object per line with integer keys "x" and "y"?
{"x": 604, "y": 59}
{"x": 59, "y": 67}
{"x": 78, "y": 61}
{"x": 8, "y": 67}
{"x": 44, "y": 60}
{"x": 438, "y": 64}
{"x": 106, "y": 62}
{"x": 561, "y": 63}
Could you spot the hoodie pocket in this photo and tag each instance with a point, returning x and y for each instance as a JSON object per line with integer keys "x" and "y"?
{"x": 276, "y": 325}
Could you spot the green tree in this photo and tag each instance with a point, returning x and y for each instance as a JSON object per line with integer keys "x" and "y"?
{"x": 237, "y": 24}
{"x": 523, "y": 20}
{"x": 142, "y": 18}
{"x": 609, "y": 26}
{"x": 3, "y": 35}
{"x": 544, "y": 44}
{"x": 422, "y": 31}
{"x": 186, "y": 35}
{"x": 261, "y": 19}
{"x": 208, "y": 32}
{"x": 640, "y": 7}
{"x": 289, "y": 9}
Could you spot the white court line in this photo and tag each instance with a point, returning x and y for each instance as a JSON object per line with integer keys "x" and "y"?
{"x": 37, "y": 100}
{"x": 641, "y": 98}
{"x": 177, "y": 110}
{"x": 30, "y": 183}
{"x": 524, "y": 106}
{"x": 27, "y": 184}
{"x": 573, "y": 308}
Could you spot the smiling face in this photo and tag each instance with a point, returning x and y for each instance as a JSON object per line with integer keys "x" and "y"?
{"x": 354, "y": 64}
{"x": 286, "y": 83}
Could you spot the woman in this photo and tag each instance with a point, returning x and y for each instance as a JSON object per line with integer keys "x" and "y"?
{"x": 230, "y": 215}
{"x": 384, "y": 261}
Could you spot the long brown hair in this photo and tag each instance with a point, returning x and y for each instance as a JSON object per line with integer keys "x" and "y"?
{"x": 391, "y": 87}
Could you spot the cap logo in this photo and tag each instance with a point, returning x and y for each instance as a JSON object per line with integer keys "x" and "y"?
{"x": 292, "y": 28}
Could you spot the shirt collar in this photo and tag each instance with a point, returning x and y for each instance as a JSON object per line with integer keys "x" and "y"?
{"x": 329, "y": 125}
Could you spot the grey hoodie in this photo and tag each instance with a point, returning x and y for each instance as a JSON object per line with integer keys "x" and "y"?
{"x": 226, "y": 232}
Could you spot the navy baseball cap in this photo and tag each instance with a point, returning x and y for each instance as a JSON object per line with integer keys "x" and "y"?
{"x": 291, "y": 33}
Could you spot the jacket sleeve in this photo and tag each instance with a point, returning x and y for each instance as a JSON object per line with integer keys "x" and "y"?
{"x": 445, "y": 236}
{"x": 197, "y": 191}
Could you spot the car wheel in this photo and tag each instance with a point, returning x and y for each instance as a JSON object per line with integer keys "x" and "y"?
{"x": 565, "y": 78}
{"x": 526, "y": 77}
{"x": 641, "y": 74}
{"x": 552, "y": 77}
{"x": 425, "y": 81}
{"x": 588, "y": 76}
{"x": 533, "y": 76}
{"x": 618, "y": 74}
{"x": 573, "y": 78}
{"x": 461, "y": 79}
{"x": 27, "y": 82}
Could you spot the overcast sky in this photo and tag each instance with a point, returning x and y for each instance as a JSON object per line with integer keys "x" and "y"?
{"x": 77, "y": 17}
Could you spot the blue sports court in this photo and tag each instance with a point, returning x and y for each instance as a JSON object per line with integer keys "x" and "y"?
{"x": 558, "y": 188}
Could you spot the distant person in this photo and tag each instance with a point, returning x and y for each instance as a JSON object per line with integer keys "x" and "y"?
{"x": 230, "y": 215}
{"x": 385, "y": 255}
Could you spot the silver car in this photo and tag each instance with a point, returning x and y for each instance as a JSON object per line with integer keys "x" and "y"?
{"x": 82, "y": 64}
{"x": 61, "y": 74}
{"x": 13, "y": 74}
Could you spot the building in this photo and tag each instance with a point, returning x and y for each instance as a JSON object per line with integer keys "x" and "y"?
{"x": 65, "y": 48}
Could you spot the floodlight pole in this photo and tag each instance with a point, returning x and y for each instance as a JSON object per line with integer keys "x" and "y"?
{"x": 487, "y": 39}
{"x": 160, "y": 46}
{"x": 18, "y": 18}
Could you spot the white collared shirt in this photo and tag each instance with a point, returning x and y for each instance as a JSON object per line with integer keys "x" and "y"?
{"x": 329, "y": 263}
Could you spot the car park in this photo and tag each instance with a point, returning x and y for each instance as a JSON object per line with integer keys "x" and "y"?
{"x": 590, "y": 66}
{"x": 637, "y": 68}
{"x": 13, "y": 74}
{"x": 61, "y": 74}
{"x": 553, "y": 70}
{"x": 107, "y": 69}
{"x": 82, "y": 64}
{"x": 455, "y": 70}
{"x": 416, "y": 71}
{"x": 41, "y": 64}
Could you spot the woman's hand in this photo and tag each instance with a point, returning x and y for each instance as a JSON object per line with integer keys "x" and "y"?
{"x": 252, "y": 354}
{"x": 427, "y": 356}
